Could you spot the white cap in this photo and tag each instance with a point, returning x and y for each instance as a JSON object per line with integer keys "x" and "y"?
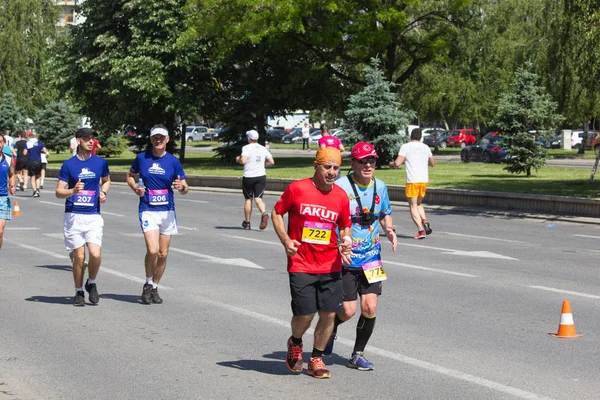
{"x": 252, "y": 134}
{"x": 159, "y": 131}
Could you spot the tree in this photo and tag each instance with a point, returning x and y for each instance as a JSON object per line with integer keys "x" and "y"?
{"x": 374, "y": 115}
{"x": 526, "y": 108}
{"x": 127, "y": 65}
{"x": 342, "y": 35}
{"x": 27, "y": 27}
{"x": 56, "y": 124}
{"x": 11, "y": 117}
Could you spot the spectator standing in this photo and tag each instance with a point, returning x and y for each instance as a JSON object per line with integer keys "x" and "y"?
{"x": 96, "y": 146}
{"x": 73, "y": 146}
{"x": 306, "y": 136}
{"x": 418, "y": 158}
{"x": 254, "y": 158}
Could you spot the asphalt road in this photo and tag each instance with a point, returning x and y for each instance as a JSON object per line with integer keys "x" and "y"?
{"x": 465, "y": 314}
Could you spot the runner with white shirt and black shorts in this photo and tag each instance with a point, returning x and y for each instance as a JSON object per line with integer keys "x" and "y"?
{"x": 84, "y": 181}
{"x": 254, "y": 158}
{"x": 161, "y": 172}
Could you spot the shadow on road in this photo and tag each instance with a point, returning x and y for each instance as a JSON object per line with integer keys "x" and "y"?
{"x": 277, "y": 367}
{"x": 51, "y": 299}
{"x": 126, "y": 298}
{"x": 56, "y": 267}
{"x": 236, "y": 228}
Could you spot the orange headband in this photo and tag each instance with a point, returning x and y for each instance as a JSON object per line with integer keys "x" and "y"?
{"x": 328, "y": 154}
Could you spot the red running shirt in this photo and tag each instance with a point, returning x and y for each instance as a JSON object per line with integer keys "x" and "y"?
{"x": 313, "y": 219}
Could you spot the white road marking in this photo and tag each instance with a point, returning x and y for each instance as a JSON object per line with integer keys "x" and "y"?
{"x": 192, "y": 201}
{"x": 252, "y": 240}
{"x": 21, "y": 229}
{"x": 55, "y": 235}
{"x": 138, "y": 235}
{"x": 549, "y": 289}
{"x": 186, "y": 228}
{"x": 481, "y": 237}
{"x": 482, "y": 253}
{"x": 588, "y": 236}
{"x": 238, "y": 262}
{"x": 472, "y": 379}
{"x": 102, "y": 268}
{"x": 62, "y": 205}
{"x": 441, "y": 271}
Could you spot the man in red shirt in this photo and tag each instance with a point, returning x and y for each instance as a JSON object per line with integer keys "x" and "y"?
{"x": 316, "y": 208}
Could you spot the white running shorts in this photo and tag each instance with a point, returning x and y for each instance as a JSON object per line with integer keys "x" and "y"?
{"x": 163, "y": 221}
{"x": 80, "y": 229}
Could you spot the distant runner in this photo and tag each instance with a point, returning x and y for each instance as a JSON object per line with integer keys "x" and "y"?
{"x": 7, "y": 186}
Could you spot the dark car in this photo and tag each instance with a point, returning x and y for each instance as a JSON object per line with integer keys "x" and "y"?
{"x": 489, "y": 149}
{"x": 295, "y": 136}
{"x": 275, "y": 135}
{"x": 439, "y": 139}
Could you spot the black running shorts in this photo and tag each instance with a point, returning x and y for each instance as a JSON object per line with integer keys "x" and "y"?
{"x": 34, "y": 167}
{"x": 254, "y": 187}
{"x": 315, "y": 292}
{"x": 355, "y": 283}
{"x": 21, "y": 165}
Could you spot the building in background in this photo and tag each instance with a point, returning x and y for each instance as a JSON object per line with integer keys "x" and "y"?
{"x": 68, "y": 14}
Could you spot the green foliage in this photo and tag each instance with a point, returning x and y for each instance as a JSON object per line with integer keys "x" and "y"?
{"x": 28, "y": 27}
{"x": 374, "y": 115}
{"x": 524, "y": 109}
{"x": 112, "y": 145}
{"x": 56, "y": 124}
{"x": 527, "y": 107}
{"x": 524, "y": 154}
{"x": 11, "y": 117}
{"x": 126, "y": 65}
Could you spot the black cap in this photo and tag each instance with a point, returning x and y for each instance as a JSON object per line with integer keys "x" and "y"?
{"x": 84, "y": 132}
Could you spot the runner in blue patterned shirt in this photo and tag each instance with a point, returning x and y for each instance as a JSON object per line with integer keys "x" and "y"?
{"x": 7, "y": 186}
{"x": 369, "y": 205}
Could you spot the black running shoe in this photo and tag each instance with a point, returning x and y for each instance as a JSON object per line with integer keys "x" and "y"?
{"x": 147, "y": 294}
{"x": 92, "y": 292}
{"x": 427, "y": 227}
{"x": 36, "y": 193}
{"x": 79, "y": 299}
{"x": 155, "y": 296}
{"x": 246, "y": 225}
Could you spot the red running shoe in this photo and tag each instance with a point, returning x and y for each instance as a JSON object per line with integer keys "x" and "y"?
{"x": 294, "y": 360}
{"x": 420, "y": 235}
{"x": 317, "y": 369}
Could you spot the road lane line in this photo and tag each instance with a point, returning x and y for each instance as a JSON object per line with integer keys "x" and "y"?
{"x": 441, "y": 271}
{"x": 62, "y": 205}
{"x": 549, "y": 289}
{"x": 21, "y": 229}
{"x": 239, "y": 262}
{"x": 193, "y": 201}
{"x": 588, "y": 236}
{"x": 472, "y": 379}
{"x": 252, "y": 240}
{"x": 482, "y": 237}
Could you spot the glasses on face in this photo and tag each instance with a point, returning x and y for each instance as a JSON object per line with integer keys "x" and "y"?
{"x": 369, "y": 160}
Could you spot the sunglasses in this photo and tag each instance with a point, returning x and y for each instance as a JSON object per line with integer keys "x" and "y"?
{"x": 370, "y": 160}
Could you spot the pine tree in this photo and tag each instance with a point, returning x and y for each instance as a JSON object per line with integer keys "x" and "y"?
{"x": 11, "y": 116}
{"x": 376, "y": 116}
{"x": 56, "y": 124}
{"x": 524, "y": 109}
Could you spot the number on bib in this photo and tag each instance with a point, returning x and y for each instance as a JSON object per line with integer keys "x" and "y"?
{"x": 316, "y": 232}
{"x": 374, "y": 271}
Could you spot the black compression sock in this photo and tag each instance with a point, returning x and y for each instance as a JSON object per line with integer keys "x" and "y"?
{"x": 364, "y": 329}
{"x": 296, "y": 340}
{"x": 316, "y": 352}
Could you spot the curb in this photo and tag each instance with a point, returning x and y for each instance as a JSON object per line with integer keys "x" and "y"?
{"x": 546, "y": 207}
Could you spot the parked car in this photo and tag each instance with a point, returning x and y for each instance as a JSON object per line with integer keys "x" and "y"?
{"x": 295, "y": 136}
{"x": 430, "y": 131}
{"x": 440, "y": 138}
{"x": 275, "y": 135}
{"x": 195, "y": 133}
{"x": 314, "y": 137}
{"x": 462, "y": 138}
{"x": 488, "y": 150}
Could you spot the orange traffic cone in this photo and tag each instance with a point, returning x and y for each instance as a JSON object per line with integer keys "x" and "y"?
{"x": 566, "y": 328}
{"x": 16, "y": 210}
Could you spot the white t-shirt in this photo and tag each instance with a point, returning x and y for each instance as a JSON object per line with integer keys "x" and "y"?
{"x": 417, "y": 161}
{"x": 257, "y": 155}
{"x": 305, "y": 132}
